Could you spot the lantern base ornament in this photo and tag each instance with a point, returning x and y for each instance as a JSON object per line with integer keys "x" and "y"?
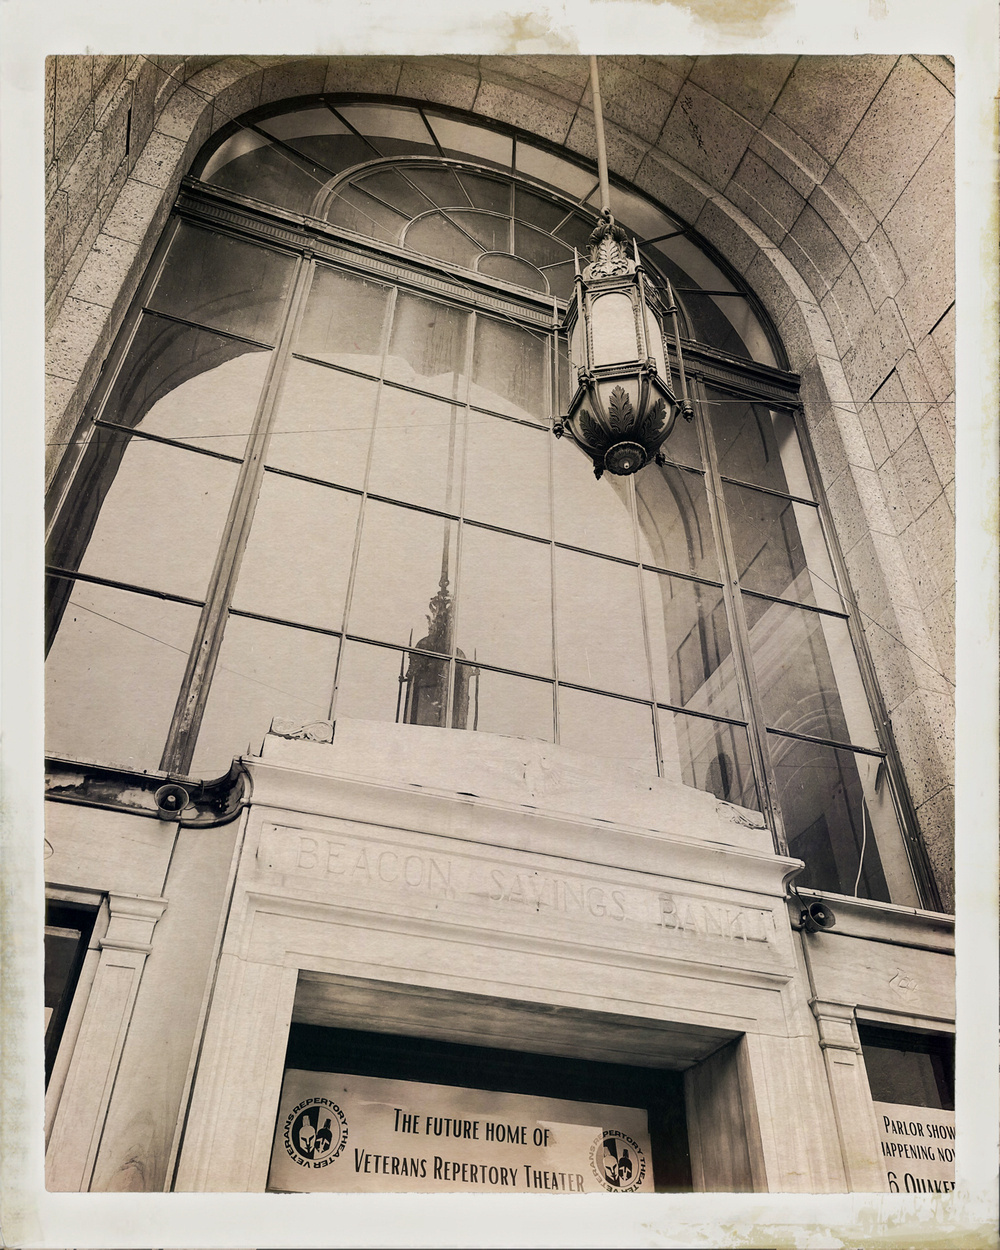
{"x": 624, "y": 458}
{"x": 624, "y": 407}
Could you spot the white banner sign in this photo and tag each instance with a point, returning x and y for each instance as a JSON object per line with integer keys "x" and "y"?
{"x": 918, "y": 1148}
{"x": 359, "y": 1134}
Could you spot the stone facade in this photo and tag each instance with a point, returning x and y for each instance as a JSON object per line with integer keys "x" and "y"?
{"x": 825, "y": 181}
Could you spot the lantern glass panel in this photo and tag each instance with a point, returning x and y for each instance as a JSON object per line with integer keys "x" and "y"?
{"x": 654, "y": 344}
{"x": 613, "y": 329}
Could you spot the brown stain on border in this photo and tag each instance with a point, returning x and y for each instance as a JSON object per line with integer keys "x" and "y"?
{"x": 734, "y": 17}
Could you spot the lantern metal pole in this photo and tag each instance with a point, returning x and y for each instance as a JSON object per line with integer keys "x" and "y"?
{"x": 602, "y": 153}
{"x": 687, "y": 410}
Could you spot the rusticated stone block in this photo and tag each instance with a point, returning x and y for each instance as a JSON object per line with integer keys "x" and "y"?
{"x": 765, "y": 196}
{"x": 705, "y": 136}
{"x": 826, "y": 96}
{"x": 911, "y": 102}
{"x": 749, "y": 85}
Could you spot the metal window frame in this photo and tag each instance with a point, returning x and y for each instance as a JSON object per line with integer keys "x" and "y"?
{"x": 236, "y": 216}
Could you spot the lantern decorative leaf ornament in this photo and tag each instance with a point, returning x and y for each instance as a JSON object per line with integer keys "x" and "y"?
{"x": 624, "y": 407}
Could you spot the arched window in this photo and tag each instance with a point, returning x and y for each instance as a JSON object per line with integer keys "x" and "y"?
{"x": 317, "y": 479}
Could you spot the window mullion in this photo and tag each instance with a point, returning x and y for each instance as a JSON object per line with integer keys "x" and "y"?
{"x": 390, "y": 317}
{"x": 745, "y": 678}
{"x": 916, "y": 852}
{"x": 450, "y": 687}
{"x": 190, "y": 707}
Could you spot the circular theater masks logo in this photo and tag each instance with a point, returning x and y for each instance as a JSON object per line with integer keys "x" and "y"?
{"x": 315, "y": 1132}
{"x": 618, "y": 1162}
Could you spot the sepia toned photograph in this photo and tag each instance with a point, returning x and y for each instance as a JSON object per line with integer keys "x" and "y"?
{"x": 500, "y": 625}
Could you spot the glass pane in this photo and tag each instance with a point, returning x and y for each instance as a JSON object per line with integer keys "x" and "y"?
{"x": 425, "y": 693}
{"x": 540, "y": 249}
{"x": 709, "y": 323}
{"x": 500, "y": 704}
{"x": 491, "y": 193}
{"x": 917, "y": 1071}
{"x": 748, "y": 328}
{"x": 708, "y": 755}
{"x": 756, "y": 445}
{"x": 599, "y": 624}
{"x": 780, "y": 549}
{"x": 371, "y": 685}
{"x": 611, "y": 728}
{"x": 441, "y": 186}
{"x": 354, "y": 210}
{"x": 689, "y": 645}
{"x": 417, "y": 454}
{"x": 162, "y": 514}
{"x": 590, "y": 513}
{"x": 563, "y": 175}
{"x": 405, "y": 556}
{"x": 823, "y": 794}
{"x": 436, "y": 236}
{"x": 189, "y": 385}
{"x": 112, "y": 644}
{"x": 301, "y": 122}
{"x": 225, "y": 283}
{"x": 560, "y": 279}
{"x": 682, "y": 442}
{"x": 537, "y": 210}
{"x": 510, "y": 369}
{"x": 638, "y": 215}
{"x": 298, "y": 555}
{"x": 264, "y": 671}
{"x": 460, "y": 140}
{"x": 563, "y": 375}
{"x": 505, "y": 601}
{"x": 394, "y": 130}
{"x": 390, "y": 185}
{"x": 512, "y": 269}
{"x": 576, "y": 231}
{"x": 243, "y": 142}
{"x": 613, "y": 329}
{"x": 489, "y": 230}
{"x": 343, "y": 321}
{"x": 427, "y": 349}
{"x": 507, "y": 474}
{"x": 695, "y": 269}
{"x": 675, "y": 526}
{"x": 807, "y": 673}
{"x": 269, "y": 174}
{"x": 322, "y": 425}
{"x": 321, "y": 138}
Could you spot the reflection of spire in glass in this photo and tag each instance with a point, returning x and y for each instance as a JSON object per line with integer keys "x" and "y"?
{"x": 427, "y": 676}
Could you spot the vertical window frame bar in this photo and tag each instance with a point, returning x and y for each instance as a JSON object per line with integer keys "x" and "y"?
{"x": 386, "y": 339}
{"x": 740, "y": 635}
{"x": 189, "y": 709}
{"x": 916, "y": 852}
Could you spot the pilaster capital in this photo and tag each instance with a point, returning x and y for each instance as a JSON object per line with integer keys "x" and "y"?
{"x": 836, "y": 1024}
{"x": 132, "y": 920}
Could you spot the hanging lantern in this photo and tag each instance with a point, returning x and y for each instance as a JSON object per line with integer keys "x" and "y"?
{"x": 624, "y": 407}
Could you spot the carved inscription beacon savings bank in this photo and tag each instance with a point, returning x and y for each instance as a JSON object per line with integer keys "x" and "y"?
{"x": 362, "y": 868}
